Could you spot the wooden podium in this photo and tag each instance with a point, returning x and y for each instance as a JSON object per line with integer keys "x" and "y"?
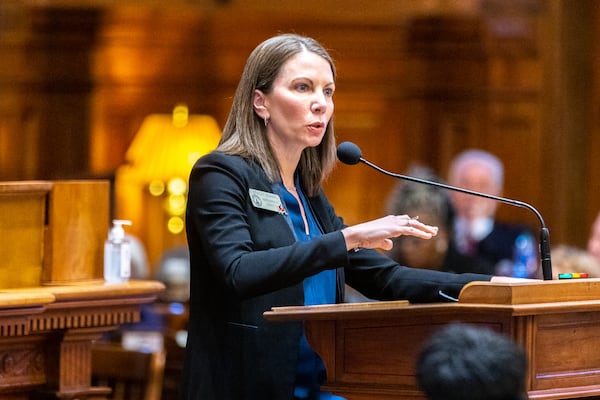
{"x": 370, "y": 349}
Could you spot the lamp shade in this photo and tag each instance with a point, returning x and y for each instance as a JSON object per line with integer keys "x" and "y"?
{"x": 167, "y": 146}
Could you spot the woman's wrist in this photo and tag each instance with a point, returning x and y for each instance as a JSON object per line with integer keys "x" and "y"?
{"x": 351, "y": 242}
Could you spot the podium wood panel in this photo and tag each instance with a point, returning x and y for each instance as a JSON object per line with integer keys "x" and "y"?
{"x": 370, "y": 349}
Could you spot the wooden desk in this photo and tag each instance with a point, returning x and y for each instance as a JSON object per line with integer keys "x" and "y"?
{"x": 53, "y": 299}
{"x": 370, "y": 349}
{"x": 46, "y": 335}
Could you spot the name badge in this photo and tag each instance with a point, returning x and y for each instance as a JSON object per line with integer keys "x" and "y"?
{"x": 266, "y": 201}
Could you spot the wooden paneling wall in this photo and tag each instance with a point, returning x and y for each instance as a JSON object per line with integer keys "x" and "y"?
{"x": 417, "y": 83}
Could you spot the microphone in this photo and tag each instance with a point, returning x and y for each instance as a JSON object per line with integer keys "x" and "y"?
{"x": 349, "y": 153}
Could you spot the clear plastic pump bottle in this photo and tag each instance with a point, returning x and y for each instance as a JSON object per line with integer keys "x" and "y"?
{"x": 117, "y": 254}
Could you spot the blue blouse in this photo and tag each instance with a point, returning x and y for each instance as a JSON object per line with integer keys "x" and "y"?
{"x": 318, "y": 289}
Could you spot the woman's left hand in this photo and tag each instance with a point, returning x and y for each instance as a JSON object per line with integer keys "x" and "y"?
{"x": 379, "y": 232}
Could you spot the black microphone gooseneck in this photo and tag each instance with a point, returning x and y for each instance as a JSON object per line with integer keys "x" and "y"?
{"x": 350, "y": 154}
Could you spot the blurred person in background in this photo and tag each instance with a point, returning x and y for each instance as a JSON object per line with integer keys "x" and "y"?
{"x": 593, "y": 244}
{"x": 434, "y": 207}
{"x": 507, "y": 249}
{"x": 568, "y": 259}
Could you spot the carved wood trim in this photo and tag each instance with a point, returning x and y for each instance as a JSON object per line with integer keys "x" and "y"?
{"x": 22, "y": 364}
{"x": 84, "y": 318}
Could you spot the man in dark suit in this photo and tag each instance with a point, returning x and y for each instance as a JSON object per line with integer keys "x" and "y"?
{"x": 477, "y": 231}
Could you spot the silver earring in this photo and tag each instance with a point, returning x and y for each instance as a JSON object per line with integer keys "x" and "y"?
{"x": 266, "y": 121}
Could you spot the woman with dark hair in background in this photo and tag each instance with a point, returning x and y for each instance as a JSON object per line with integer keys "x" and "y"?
{"x": 434, "y": 207}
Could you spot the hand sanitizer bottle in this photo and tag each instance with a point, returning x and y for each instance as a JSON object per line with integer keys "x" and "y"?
{"x": 117, "y": 254}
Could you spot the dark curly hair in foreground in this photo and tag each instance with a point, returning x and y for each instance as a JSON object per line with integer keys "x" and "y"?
{"x": 465, "y": 362}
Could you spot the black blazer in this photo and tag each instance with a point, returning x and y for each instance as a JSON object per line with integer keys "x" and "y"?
{"x": 245, "y": 260}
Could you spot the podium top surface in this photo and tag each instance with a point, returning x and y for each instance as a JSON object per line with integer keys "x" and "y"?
{"x": 531, "y": 292}
{"x": 522, "y": 298}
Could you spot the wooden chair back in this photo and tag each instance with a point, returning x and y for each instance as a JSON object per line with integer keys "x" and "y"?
{"x": 132, "y": 375}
